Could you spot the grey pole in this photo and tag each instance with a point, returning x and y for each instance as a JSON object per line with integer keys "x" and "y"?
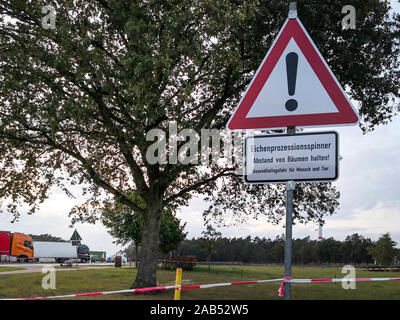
{"x": 292, "y": 10}
{"x": 290, "y": 186}
{"x": 77, "y": 255}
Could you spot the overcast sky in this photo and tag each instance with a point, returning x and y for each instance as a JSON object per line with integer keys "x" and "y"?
{"x": 369, "y": 183}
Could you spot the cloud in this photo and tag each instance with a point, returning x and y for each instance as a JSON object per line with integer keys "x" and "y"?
{"x": 52, "y": 218}
{"x": 384, "y": 217}
{"x": 369, "y": 183}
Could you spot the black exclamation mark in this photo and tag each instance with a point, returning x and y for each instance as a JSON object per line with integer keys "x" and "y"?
{"x": 292, "y": 60}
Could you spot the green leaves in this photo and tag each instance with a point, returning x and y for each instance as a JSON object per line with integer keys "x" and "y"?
{"x": 80, "y": 99}
{"x": 127, "y": 226}
{"x": 384, "y": 250}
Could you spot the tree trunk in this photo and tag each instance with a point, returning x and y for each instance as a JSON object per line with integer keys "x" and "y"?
{"x": 147, "y": 271}
{"x": 136, "y": 255}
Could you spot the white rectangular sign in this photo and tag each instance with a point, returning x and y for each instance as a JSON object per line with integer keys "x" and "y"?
{"x": 307, "y": 157}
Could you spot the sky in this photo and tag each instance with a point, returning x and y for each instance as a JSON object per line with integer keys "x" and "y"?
{"x": 369, "y": 182}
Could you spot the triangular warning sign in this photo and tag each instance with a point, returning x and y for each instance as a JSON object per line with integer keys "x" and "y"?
{"x": 75, "y": 236}
{"x": 293, "y": 86}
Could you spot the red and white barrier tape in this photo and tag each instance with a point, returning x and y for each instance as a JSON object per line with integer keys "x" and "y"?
{"x": 212, "y": 285}
{"x": 341, "y": 280}
{"x": 202, "y": 286}
{"x": 380, "y": 269}
{"x": 281, "y": 290}
{"x": 205, "y": 286}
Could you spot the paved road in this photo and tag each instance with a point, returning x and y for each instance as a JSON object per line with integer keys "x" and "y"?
{"x": 30, "y": 268}
{"x": 16, "y": 264}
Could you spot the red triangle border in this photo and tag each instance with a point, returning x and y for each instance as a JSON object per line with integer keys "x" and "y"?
{"x": 346, "y": 115}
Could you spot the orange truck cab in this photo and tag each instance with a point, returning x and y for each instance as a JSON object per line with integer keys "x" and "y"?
{"x": 18, "y": 245}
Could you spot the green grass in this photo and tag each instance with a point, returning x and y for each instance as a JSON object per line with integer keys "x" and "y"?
{"x": 81, "y": 266}
{"x": 68, "y": 282}
{"x": 2, "y": 269}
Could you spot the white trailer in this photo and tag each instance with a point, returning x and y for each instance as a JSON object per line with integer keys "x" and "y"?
{"x": 46, "y": 251}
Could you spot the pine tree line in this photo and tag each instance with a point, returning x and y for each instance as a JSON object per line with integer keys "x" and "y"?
{"x": 355, "y": 249}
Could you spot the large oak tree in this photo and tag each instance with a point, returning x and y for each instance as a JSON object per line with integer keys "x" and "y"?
{"x": 77, "y": 101}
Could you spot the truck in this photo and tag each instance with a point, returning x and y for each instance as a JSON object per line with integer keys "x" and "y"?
{"x": 16, "y": 247}
{"x": 124, "y": 258}
{"x": 83, "y": 253}
{"x": 97, "y": 256}
{"x": 48, "y": 251}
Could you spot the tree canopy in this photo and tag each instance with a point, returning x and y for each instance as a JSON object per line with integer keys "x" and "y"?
{"x": 77, "y": 101}
{"x": 355, "y": 249}
{"x": 210, "y": 237}
{"x": 46, "y": 237}
{"x": 384, "y": 251}
{"x": 127, "y": 227}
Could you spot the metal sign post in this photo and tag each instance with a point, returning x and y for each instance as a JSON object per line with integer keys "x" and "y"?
{"x": 311, "y": 96}
{"x": 77, "y": 258}
{"x": 290, "y": 186}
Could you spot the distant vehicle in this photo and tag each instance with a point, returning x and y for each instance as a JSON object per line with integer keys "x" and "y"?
{"x": 48, "y": 251}
{"x": 124, "y": 258}
{"x": 97, "y": 256}
{"x": 15, "y": 247}
{"x": 83, "y": 253}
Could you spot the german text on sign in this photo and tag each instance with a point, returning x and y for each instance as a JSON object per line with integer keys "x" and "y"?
{"x": 300, "y": 157}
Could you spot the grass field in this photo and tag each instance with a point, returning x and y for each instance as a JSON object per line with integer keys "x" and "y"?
{"x": 82, "y": 266}
{"x": 69, "y": 282}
